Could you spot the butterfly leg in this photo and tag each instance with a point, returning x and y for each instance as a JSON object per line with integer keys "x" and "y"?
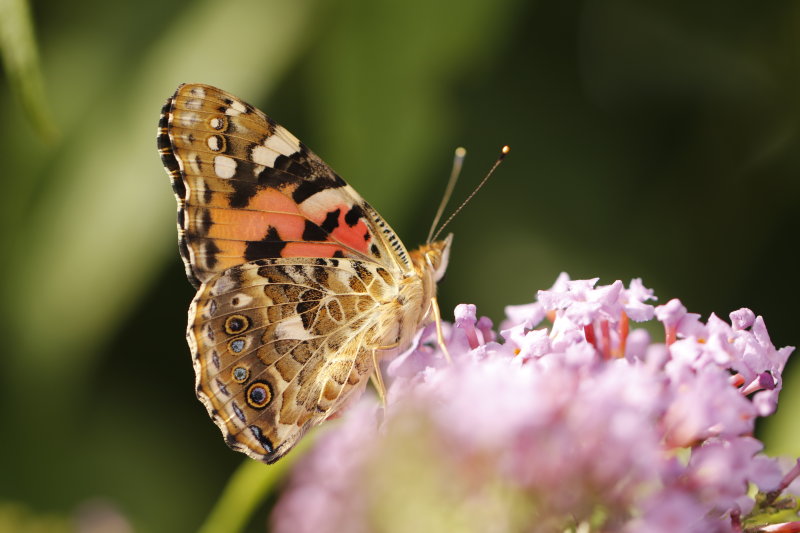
{"x": 377, "y": 378}
{"x": 437, "y": 317}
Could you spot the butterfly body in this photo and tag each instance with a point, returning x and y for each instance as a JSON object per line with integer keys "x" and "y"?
{"x": 302, "y": 286}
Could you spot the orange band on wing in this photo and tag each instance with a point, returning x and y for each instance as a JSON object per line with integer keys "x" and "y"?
{"x": 254, "y": 225}
{"x": 311, "y": 249}
{"x": 273, "y": 200}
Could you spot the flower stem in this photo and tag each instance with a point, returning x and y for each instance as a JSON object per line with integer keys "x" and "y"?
{"x": 247, "y": 488}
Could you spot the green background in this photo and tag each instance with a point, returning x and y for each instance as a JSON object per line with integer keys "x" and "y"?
{"x": 649, "y": 139}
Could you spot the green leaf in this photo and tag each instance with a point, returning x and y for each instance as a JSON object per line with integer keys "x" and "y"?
{"x": 21, "y": 63}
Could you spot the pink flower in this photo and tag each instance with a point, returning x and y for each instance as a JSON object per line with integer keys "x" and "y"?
{"x": 564, "y": 423}
{"x": 634, "y": 298}
{"x": 704, "y": 405}
{"x": 718, "y": 471}
{"x": 309, "y": 506}
{"x": 677, "y": 321}
{"x": 527, "y": 315}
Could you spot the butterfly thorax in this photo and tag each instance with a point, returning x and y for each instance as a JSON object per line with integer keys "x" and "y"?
{"x": 418, "y": 290}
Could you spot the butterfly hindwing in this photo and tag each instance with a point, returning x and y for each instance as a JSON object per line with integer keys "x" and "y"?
{"x": 248, "y": 189}
{"x": 279, "y": 344}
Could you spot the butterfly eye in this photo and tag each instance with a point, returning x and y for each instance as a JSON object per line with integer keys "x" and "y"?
{"x": 236, "y": 324}
{"x": 259, "y": 395}
{"x": 240, "y": 374}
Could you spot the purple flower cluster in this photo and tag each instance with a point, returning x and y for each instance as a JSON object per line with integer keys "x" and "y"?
{"x": 574, "y": 422}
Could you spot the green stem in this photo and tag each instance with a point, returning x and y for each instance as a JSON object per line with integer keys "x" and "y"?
{"x": 249, "y": 486}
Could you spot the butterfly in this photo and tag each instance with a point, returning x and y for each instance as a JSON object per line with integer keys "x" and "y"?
{"x": 302, "y": 287}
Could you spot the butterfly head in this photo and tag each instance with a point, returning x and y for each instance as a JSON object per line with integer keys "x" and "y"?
{"x": 435, "y": 256}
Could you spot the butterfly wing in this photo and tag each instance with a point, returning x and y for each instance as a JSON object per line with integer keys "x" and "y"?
{"x": 279, "y": 344}
{"x": 297, "y": 275}
{"x": 248, "y": 189}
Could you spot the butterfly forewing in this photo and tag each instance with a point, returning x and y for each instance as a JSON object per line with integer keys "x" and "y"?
{"x": 248, "y": 189}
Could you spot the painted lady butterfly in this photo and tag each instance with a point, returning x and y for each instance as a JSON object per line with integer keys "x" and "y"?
{"x": 301, "y": 285}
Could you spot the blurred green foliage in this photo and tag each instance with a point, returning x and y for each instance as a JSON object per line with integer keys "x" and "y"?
{"x": 18, "y": 51}
{"x": 655, "y": 140}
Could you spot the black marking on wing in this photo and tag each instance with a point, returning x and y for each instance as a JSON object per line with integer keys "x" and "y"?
{"x": 270, "y": 246}
{"x": 243, "y": 192}
{"x": 320, "y": 275}
{"x": 331, "y": 221}
{"x": 360, "y": 269}
{"x": 353, "y": 215}
{"x": 321, "y": 178}
{"x": 211, "y": 250}
{"x": 294, "y": 164}
{"x": 302, "y": 307}
{"x": 168, "y": 158}
{"x": 205, "y": 222}
{"x": 262, "y": 439}
{"x": 312, "y": 232}
{"x": 183, "y": 248}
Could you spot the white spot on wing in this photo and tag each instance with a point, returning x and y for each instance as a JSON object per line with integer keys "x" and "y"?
{"x": 317, "y": 205}
{"x": 213, "y": 143}
{"x": 283, "y": 142}
{"x": 216, "y": 123}
{"x": 264, "y": 156}
{"x": 194, "y": 162}
{"x": 235, "y": 109}
{"x": 292, "y": 328}
{"x": 197, "y": 189}
{"x": 198, "y": 92}
{"x": 194, "y": 104}
{"x": 224, "y": 167}
{"x": 188, "y": 120}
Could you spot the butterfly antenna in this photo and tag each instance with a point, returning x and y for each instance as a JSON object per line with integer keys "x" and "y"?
{"x": 503, "y": 152}
{"x": 458, "y": 162}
